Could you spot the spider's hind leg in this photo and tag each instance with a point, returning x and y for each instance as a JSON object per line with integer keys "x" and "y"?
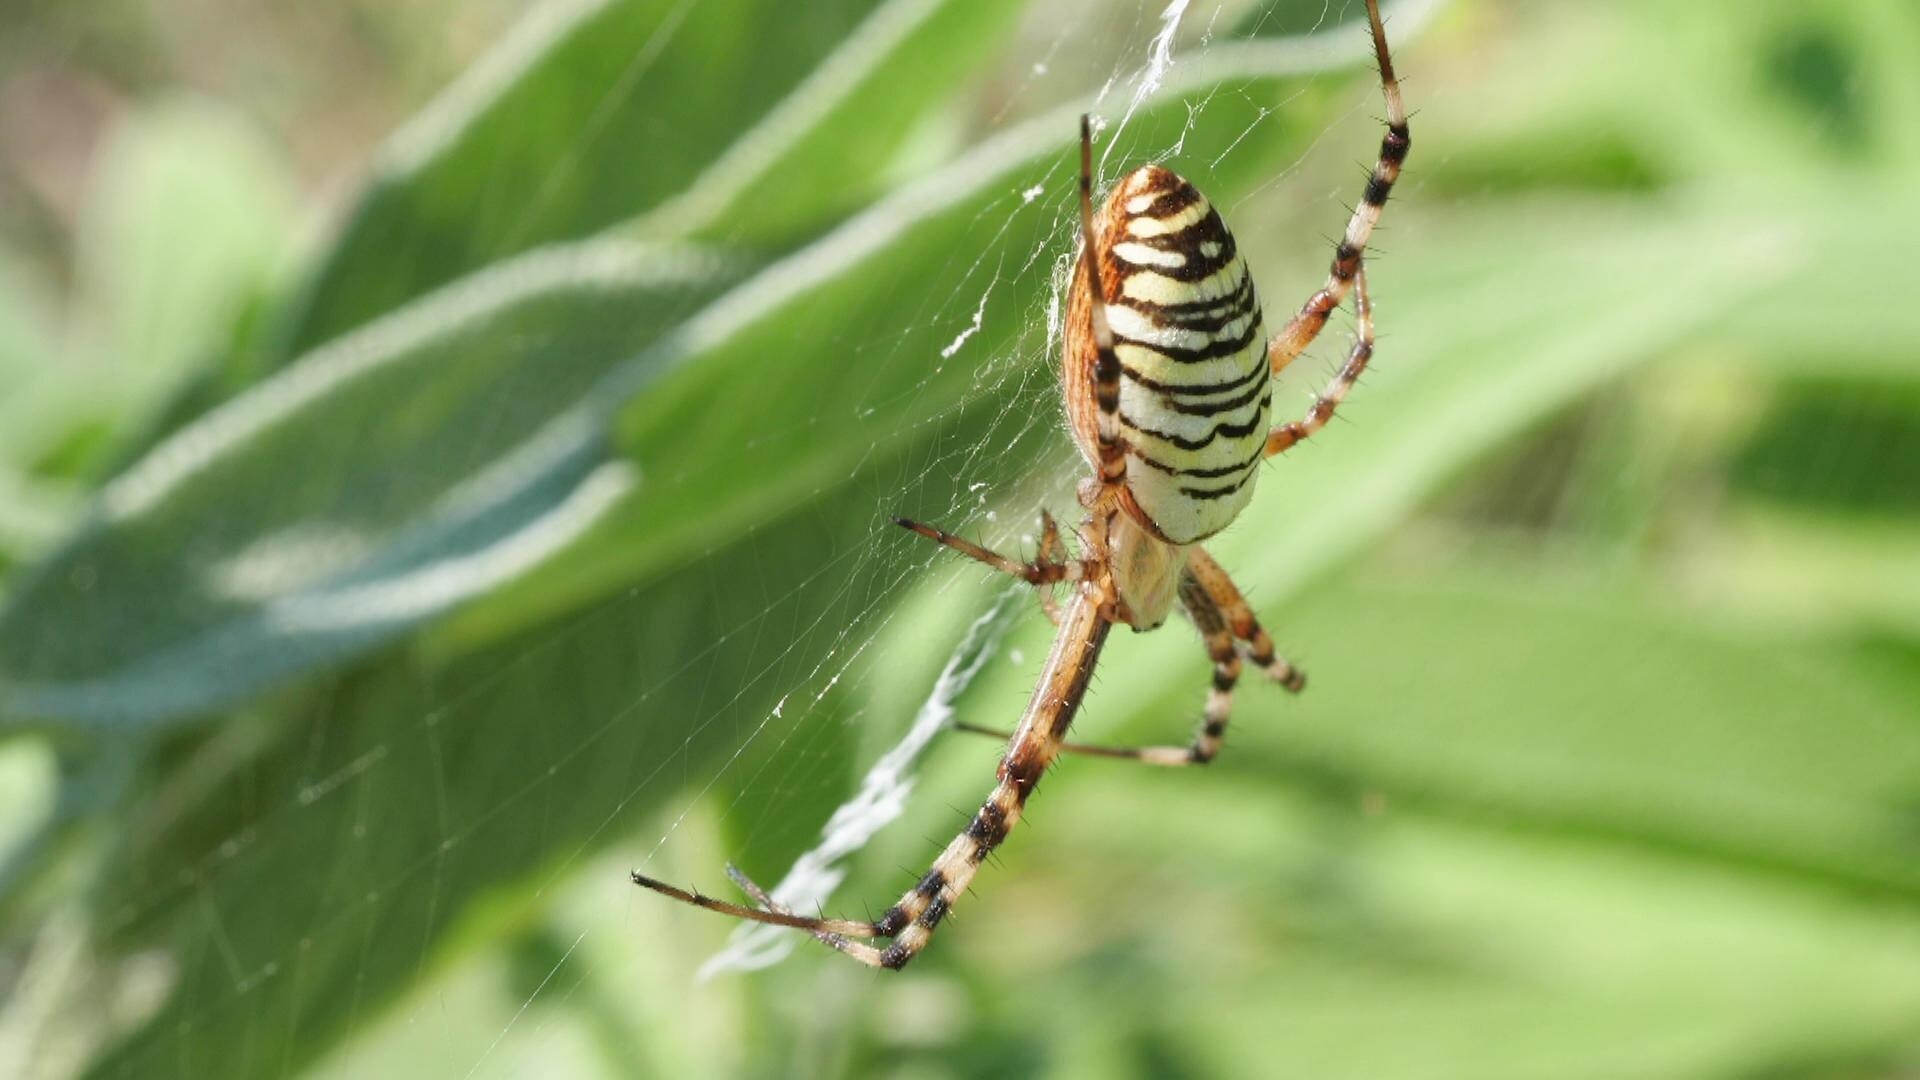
{"x": 1218, "y": 636}
{"x": 1230, "y": 631}
{"x": 1253, "y": 638}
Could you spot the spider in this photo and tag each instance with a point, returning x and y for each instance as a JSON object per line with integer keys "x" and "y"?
{"x": 1167, "y": 380}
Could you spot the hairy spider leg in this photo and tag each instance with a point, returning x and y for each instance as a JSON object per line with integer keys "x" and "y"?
{"x": 1045, "y": 571}
{"x": 1213, "y": 728}
{"x": 1300, "y": 331}
{"x": 912, "y": 921}
{"x": 1112, "y": 452}
{"x": 1255, "y": 643}
{"x": 1284, "y": 437}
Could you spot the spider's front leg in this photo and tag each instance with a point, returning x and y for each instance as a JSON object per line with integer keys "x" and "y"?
{"x": 1348, "y": 272}
{"x": 1045, "y": 571}
{"x": 837, "y": 933}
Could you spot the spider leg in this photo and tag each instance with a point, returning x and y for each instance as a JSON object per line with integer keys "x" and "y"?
{"x": 1046, "y": 570}
{"x": 1284, "y": 437}
{"x": 1300, "y": 331}
{"x": 777, "y": 916}
{"x": 1215, "y": 632}
{"x": 1112, "y": 453}
{"x": 1032, "y": 749}
{"x": 1255, "y": 643}
{"x": 761, "y": 897}
{"x": 1049, "y": 552}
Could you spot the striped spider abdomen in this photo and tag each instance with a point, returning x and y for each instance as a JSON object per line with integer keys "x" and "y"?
{"x": 1195, "y": 383}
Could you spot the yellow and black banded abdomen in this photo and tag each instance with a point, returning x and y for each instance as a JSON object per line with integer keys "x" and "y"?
{"x": 1195, "y": 390}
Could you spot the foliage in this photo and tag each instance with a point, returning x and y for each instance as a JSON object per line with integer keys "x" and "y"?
{"x": 537, "y": 526}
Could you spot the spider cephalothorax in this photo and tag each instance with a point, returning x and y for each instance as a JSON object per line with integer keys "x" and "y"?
{"x": 1167, "y": 376}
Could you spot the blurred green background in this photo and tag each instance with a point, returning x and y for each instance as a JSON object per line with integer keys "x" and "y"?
{"x": 446, "y": 456}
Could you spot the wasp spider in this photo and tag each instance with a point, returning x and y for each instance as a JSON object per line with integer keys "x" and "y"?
{"x": 1167, "y": 374}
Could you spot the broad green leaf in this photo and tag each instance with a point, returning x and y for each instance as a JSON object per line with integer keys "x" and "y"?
{"x": 395, "y": 817}
{"x": 586, "y": 113}
{"x": 593, "y": 112}
{"x": 286, "y": 578}
{"x": 829, "y": 147}
{"x": 441, "y": 451}
{"x": 181, "y": 665}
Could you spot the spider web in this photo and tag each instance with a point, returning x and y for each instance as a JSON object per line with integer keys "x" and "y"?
{"x": 1161, "y": 37}
{"x": 884, "y": 792}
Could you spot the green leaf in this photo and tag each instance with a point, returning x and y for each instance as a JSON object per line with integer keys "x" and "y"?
{"x": 288, "y": 578}
{"x": 830, "y": 146}
{"x": 34, "y": 510}
{"x": 591, "y": 113}
{"x": 357, "y": 581}
{"x": 387, "y": 821}
{"x": 186, "y": 219}
{"x": 441, "y": 450}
